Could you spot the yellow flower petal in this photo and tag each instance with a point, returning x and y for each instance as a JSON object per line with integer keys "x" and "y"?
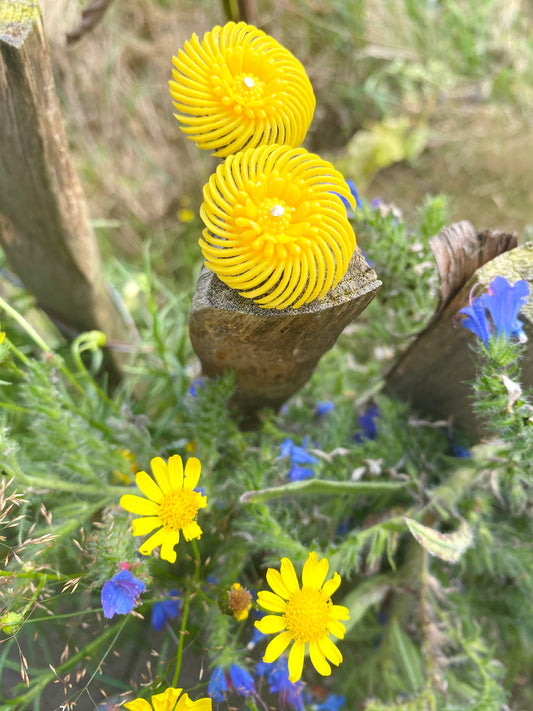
{"x": 270, "y": 624}
{"x": 273, "y": 578}
{"x": 186, "y": 704}
{"x": 288, "y": 575}
{"x": 271, "y": 602}
{"x": 330, "y": 650}
{"x": 160, "y": 471}
{"x": 167, "y": 547}
{"x": 155, "y": 540}
{"x": 191, "y": 531}
{"x": 339, "y": 612}
{"x": 318, "y": 659}
{"x": 175, "y": 472}
{"x": 314, "y": 571}
{"x": 137, "y": 505}
{"x": 192, "y": 473}
{"x": 331, "y": 585}
{"x": 148, "y": 487}
{"x": 142, "y": 526}
{"x": 276, "y": 647}
{"x": 296, "y": 661}
{"x": 138, "y": 705}
{"x": 336, "y": 628}
{"x": 201, "y": 705}
{"x": 167, "y": 700}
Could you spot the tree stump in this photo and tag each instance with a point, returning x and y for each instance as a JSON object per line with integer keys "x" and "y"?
{"x": 273, "y": 353}
{"x": 44, "y": 223}
{"x": 433, "y": 375}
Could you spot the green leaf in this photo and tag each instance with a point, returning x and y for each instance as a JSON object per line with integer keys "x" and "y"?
{"x": 446, "y": 546}
{"x": 323, "y": 486}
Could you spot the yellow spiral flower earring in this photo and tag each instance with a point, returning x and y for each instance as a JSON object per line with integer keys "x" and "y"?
{"x": 276, "y": 227}
{"x": 239, "y": 87}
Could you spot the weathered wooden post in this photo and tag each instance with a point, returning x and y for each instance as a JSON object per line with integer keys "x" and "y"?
{"x": 44, "y": 223}
{"x": 433, "y": 374}
{"x": 273, "y": 353}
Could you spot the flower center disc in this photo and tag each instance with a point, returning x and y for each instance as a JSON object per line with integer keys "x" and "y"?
{"x": 179, "y": 508}
{"x": 274, "y": 216}
{"x": 307, "y": 614}
{"x": 247, "y": 89}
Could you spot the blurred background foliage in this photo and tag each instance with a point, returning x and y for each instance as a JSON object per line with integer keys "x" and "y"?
{"x": 413, "y": 97}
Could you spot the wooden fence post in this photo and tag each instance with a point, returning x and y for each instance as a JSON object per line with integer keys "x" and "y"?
{"x": 273, "y": 353}
{"x": 44, "y": 223}
{"x": 433, "y": 374}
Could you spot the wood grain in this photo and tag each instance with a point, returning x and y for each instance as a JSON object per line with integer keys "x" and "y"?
{"x": 44, "y": 222}
{"x": 272, "y": 352}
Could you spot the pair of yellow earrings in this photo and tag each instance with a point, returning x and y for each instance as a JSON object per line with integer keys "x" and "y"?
{"x": 276, "y": 227}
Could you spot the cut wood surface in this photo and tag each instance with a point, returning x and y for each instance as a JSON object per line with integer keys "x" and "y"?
{"x": 44, "y": 224}
{"x": 273, "y": 353}
{"x": 433, "y": 375}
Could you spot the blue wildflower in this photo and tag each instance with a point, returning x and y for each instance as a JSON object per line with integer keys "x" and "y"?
{"x": 121, "y": 594}
{"x": 242, "y": 680}
{"x": 503, "y": 302}
{"x": 368, "y": 423}
{"x": 477, "y": 320}
{"x": 461, "y": 452}
{"x": 298, "y": 455}
{"x": 334, "y": 702}
{"x": 289, "y": 693}
{"x": 217, "y": 685}
{"x": 197, "y": 384}
{"x": 164, "y": 611}
{"x": 323, "y": 408}
{"x": 263, "y": 668}
{"x": 297, "y": 473}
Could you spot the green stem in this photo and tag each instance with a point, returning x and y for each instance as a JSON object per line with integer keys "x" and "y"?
{"x": 20, "y": 355}
{"x": 15, "y": 408}
{"x": 32, "y": 333}
{"x": 323, "y": 486}
{"x": 183, "y": 629}
{"x": 76, "y": 351}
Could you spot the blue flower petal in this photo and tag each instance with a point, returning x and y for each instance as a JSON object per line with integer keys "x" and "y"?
{"x": 242, "y": 680}
{"x": 217, "y": 685}
{"x": 477, "y": 320}
{"x": 121, "y": 594}
{"x": 503, "y": 302}
{"x": 289, "y": 693}
{"x": 322, "y": 408}
{"x": 164, "y": 611}
{"x": 298, "y": 473}
{"x": 334, "y": 702}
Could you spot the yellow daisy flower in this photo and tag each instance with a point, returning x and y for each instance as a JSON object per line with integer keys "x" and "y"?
{"x": 276, "y": 227}
{"x": 239, "y": 87}
{"x": 171, "y": 505}
{"x": 169, "y": 700}
{"x": 305, "y": 616}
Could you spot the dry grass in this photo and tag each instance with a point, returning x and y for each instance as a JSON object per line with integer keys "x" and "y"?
{"x": 137, "y": 167}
